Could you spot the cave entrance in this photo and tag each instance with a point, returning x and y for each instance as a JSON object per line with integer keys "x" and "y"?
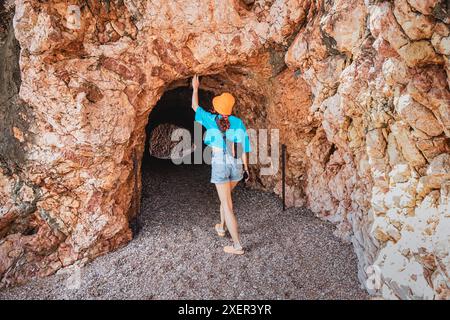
{"x": 159, "y": 174}
{"x": 173, "y": 111}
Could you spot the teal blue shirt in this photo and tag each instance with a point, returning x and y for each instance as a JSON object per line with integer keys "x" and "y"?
{"x": 214, "y": 138}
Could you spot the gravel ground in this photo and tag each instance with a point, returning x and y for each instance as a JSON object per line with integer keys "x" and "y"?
{"x": 177, "y": 255}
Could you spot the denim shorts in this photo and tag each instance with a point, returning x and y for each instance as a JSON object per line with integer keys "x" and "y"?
{"x": 225, "y": 168}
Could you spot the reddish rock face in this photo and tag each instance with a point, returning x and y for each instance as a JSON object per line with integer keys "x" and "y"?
{"x": 359, "y": 91}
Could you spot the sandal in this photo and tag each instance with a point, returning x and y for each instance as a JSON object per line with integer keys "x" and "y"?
{"x": 220, "y": 231}
{"x": 233, "y": 250}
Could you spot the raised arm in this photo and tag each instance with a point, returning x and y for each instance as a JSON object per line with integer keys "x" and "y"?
{"x": 195, "y": 84}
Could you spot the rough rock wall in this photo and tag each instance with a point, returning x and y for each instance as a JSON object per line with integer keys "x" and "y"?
{"x": 358, "y": 89}
{"x": 378, "y": 72}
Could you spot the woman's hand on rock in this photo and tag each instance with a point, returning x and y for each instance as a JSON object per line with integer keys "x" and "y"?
{"x": 195, "y": 82}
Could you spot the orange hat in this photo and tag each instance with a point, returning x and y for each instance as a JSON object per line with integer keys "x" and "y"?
{"x": 224, "y": 103}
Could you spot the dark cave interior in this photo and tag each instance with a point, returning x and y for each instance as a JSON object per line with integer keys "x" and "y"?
{"x": 174, "y": 108}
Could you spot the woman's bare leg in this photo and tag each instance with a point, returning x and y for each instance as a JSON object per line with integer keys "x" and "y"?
{"x": 224, "y": 191}
{"x": 222, "y": 215}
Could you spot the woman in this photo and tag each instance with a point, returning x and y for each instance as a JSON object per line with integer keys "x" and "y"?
{"x": 223, "y": 133}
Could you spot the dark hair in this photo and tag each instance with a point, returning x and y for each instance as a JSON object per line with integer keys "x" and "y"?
{"x": 223, "y": 123}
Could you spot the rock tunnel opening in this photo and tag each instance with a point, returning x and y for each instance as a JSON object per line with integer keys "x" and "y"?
{"x": 173, "y": 111}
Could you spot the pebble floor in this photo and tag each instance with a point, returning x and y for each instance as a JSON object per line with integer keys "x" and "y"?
{"x": 176, "y": 254}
